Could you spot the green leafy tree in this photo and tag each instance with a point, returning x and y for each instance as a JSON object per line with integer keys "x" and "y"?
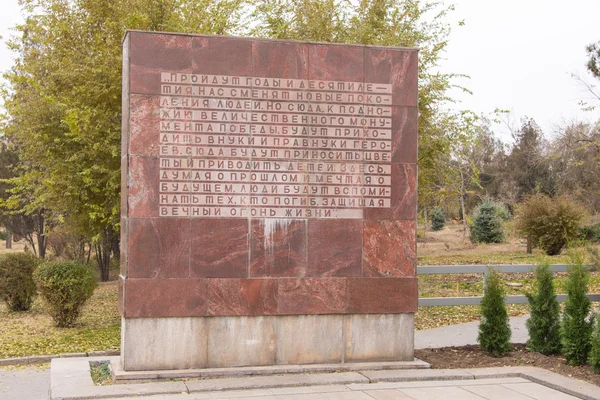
{"x": 544, "y": 323}
{"x": 437, "y": 219}
{"x": 487, "y": 223}
{"x": 63, "y": 104}
{"x": 494, "y": 329}
{"x": 577, "y": 323}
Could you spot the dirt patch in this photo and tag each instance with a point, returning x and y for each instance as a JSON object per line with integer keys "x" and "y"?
{"x": 16, "y": 247}
{"x": 474, "y": 357}
{"x": 454, "y": 240}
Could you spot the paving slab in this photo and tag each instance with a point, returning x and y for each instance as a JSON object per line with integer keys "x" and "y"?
{"x": 257, "y": 382}
{"x": 465, "y": 334}
{"x": 538, "y": 392}
{"x": 24, "y": 384}
{"x": 415, "y": 375}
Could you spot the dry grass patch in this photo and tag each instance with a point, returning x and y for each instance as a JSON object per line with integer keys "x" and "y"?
{"x": 33, "y": 332}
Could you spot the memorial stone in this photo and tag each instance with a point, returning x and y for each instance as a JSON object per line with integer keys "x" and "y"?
{"x": 268, "y": 202}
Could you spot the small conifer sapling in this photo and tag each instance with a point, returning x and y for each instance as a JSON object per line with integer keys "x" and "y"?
{"x": 544, "y": 323}
{"x": 494, "y": 329}
{"x": 577, "y": 324}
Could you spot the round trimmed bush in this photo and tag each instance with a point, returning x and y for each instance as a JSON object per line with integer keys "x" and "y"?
{"x": 65, "y": 287}
{"x": 17, "y": 287}
{"x": 437, "y": 219}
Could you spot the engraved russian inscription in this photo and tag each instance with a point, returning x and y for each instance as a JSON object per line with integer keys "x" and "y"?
{"x": 273, "y": 148}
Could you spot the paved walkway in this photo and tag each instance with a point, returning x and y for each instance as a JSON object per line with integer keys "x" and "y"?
{"x": 490, "y": 389}
{"x": 465, "y": 334}
{"x": 24, "y": 384}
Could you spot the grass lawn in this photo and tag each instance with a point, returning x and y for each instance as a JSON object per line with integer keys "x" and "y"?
{"x": 33, "y": 332}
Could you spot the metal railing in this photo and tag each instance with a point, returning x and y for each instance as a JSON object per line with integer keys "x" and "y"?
{"x": 482, "y": 269}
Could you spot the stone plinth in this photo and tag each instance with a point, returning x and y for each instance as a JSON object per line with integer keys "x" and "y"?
{"x": 269, "y": 202}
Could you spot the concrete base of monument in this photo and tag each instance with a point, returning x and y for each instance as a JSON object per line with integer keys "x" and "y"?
{"x": 153, "y": 344}
{"x": 121, "y": 376}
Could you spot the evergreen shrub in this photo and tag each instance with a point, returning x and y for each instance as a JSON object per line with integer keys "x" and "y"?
{"x": 65, "y": 287}
{"x": 494, "y": 329}
{"x": 594, "y": 358}
{"x": 544, "y": 323}
{"x": 577, "y": 323}
{"x": 17, "y": 287}
{"x": 549, "y": 223}
{"x": 487, "y": 223}
{"x": 437, "y": 219}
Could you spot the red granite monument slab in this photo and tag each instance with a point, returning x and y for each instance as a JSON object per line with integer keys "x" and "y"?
{"x": 143, "y": 187}
{"x": 404, "y": 144}
{"x": 265, "y": 178}
{"x": 144, "y": 125}
{"x": 278, "y": 248}
{"x": 279, "y": 60}
{"x": 389, "y": 248}
{"x": 312, "y": 296}
{"x": 230, "y": 296}
{"x": 160, "y": 298}
{"x": 219, "y": 248}
{"x": 166, "y": 244}
{"x": 335, "y": 247}
{"x": 382, "y": 295}
{"x": 151, "y": 54}
{"x": 398, "y": 68}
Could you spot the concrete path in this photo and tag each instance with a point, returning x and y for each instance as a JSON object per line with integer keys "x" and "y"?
{"x": 482, "y": 389}
{"x": 24, "y": 384}
{"x": 465, "y": 334}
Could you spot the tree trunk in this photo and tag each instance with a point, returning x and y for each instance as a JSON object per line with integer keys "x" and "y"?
{"x": 9, "y": 238}
{"x": 462, "y": 209}
{"x": 529, "y": 246}
{"x": 40, "y": 231}
{"x": 104, "y": 247}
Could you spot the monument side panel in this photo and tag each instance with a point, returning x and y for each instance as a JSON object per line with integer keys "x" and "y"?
{"x": 269, "y": 190}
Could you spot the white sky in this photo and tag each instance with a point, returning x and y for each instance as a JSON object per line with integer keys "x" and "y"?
{"x": 518, "y": 53}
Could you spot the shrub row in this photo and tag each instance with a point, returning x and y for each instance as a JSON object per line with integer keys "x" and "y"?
{"x": 64, "y": 286}
{"x": 576, "y": 335}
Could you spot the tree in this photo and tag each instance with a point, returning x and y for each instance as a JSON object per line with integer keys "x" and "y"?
{"x": 544, "y": 323}
{"x": 549, "y": 223}
{"x": 529, "y": 165}
{"x": 576, "y": 163}
{"x": 487, "y": 223}
{"x": 577, "y": 324}
{"x": 63, "y": 103}
{"x": 494, "y": 329}
{"x": 437, "y": 219}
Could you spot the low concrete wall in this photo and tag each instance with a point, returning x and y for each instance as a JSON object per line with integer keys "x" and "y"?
{"x": 215, "y": 342}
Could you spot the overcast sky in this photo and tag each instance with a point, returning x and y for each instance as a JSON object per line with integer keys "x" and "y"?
{"x": 518, "y": 53}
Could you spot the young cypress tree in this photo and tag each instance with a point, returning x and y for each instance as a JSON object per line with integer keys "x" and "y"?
{"x": 577, "y": 324}
{"x": 494, "y": 329}
{"x": 544, "y": 322}
{"x": 594, "y": 358}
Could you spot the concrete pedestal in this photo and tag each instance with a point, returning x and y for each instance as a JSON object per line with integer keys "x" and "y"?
{"x": 215, "y": 342}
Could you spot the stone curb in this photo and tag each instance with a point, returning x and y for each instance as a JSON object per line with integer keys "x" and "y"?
{"x": 31, "y": 360}
{"x": 71, "y": 380}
